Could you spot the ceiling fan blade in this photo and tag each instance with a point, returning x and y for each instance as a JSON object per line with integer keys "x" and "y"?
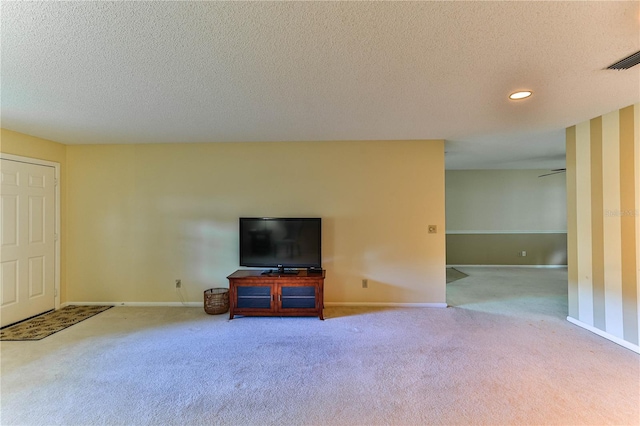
{"x": 553, "y": 173}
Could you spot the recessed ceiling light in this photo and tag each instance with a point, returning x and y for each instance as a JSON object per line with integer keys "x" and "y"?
{"x": 520, "y": 95}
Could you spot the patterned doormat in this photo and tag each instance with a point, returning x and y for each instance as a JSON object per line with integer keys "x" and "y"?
{"x": 45, "y": 325}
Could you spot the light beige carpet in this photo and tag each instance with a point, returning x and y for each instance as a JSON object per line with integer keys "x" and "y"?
{"x": 499, "y": 356}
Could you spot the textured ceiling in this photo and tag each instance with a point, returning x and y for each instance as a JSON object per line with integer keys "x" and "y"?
{"x": 141, "y": 72}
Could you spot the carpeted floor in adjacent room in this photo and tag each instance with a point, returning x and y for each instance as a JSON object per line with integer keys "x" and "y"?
{"x": 502, "y": 354}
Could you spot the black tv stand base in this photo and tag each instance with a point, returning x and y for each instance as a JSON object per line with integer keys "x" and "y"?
{"x": 283, "y": 271}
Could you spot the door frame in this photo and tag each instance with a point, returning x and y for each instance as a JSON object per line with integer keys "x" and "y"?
{"x": 57, "y": 236}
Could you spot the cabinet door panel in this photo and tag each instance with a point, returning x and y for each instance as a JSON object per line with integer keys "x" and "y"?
{"x": 254, "y": 297}
{"x": 298, "y": 297}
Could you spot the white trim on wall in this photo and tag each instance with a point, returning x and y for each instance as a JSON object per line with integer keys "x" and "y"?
{"x": 508, "y": 266}
{"x": 397, "y": 305}
{"x": 502, "y": 232}
{"x": 200, "y": 304}
{"x": 56, "y": 167}
{"x": 140, "y": 304}
{"x": 606, "y": 335}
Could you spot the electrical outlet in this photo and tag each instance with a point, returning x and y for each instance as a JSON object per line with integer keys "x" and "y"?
{"x": 523, "y": 253}
{"x": 365, "y": 283}
{"x": 178, "y": 283}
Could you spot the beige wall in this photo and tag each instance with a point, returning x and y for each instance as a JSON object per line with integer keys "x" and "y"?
{"x": 603, "y": 182}
{"x": 494, "y": 215}
{"x": 32, "y": 147}
{"x": 506, "y": 249}
{"x": 143, "y": 215}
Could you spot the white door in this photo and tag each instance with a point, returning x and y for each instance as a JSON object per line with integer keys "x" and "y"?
{"x": 27, "y": 232}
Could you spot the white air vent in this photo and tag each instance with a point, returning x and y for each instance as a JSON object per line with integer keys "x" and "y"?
{"x": 626, "y": 63}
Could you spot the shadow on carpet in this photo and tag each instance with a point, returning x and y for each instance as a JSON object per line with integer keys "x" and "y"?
{"x": 454, "y": 275}
{"x": 47, "y": 324}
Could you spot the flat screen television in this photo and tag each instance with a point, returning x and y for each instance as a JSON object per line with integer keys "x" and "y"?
{"x": 279, "y": 242}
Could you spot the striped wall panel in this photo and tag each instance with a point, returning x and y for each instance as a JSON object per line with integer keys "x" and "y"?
{"x": 603, "y": 224}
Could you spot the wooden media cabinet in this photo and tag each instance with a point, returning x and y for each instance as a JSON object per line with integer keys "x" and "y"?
{"x": 252, "y": 292}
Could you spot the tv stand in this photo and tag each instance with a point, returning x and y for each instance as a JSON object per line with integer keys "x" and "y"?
{"x": 275, "y": 294}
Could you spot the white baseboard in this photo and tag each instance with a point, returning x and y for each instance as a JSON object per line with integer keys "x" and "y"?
{"x": 508, "y": 266}
{"x": 139, "y": 304}
{"x": 201, "y": 304}
{"x": 614, "y": 339}
{"x": 397, "y": 305}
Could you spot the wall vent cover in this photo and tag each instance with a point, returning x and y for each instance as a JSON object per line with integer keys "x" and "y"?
{"x": 626, "y": 63}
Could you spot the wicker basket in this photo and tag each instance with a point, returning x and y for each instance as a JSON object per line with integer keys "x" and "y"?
{"x": 216, "y": 301}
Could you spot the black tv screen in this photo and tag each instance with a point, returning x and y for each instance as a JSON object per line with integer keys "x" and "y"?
{"x": 280, "y": 242}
